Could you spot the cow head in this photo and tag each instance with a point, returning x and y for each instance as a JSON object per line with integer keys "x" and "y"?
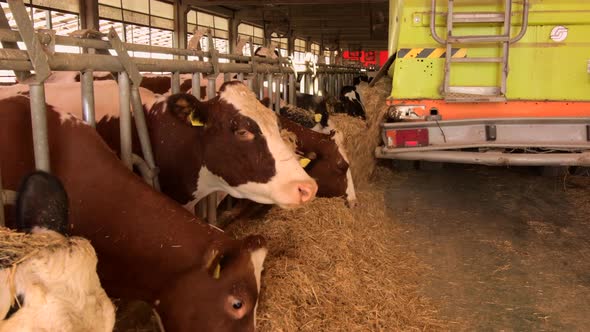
{"x": 328, "y": 166}
{"x": 350, "y": 103}
{"x": 241, "y": 149}
{"x": 56, "y": 281}
{"x": 227, "y": 284}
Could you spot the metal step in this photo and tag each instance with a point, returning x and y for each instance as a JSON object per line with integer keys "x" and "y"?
{"x": 477, "y": 39}
{"x": 472, "y": 60}
{"x": 472, "y": 94}
{"x": 480, "y": 17}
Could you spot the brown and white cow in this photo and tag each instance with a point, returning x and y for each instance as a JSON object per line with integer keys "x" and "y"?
{"x": 330, "y": 167}
{"x": 237, "y": 147}
{"x": 148, "y": 246}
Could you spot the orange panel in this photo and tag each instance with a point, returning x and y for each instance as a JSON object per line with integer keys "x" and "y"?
{"x": 510, "y": 109}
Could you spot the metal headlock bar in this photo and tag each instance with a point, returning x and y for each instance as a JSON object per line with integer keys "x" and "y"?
{"x": 40, "y": 57}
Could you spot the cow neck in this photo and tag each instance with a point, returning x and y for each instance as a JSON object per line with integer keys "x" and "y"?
{"x": 174, "y": 143}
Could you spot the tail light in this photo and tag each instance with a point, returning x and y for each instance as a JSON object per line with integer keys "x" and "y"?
{"x": 406, "y": 138}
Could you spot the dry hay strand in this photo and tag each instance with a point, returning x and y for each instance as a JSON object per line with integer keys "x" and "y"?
{"x": 360, "y": 138}
{"x": 16, "y": 247}
{"x": 331, "y": 268}
{"x": 299, "y": 115}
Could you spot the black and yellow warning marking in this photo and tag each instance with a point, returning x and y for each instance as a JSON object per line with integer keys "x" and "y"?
{"x": 430, "y": 53}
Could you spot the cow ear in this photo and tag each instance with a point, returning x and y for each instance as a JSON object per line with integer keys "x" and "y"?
{"x": 188, "y": 109}
{"x": 42, "y": 202}
{"x": 211, "y": 262}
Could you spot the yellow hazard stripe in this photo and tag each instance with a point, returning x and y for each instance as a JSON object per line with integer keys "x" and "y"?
{"x": 430, "y": 53}
{"x": 437, "y": 53}
{"x": 461, "y": 53}
{"x": 414, "y": 52}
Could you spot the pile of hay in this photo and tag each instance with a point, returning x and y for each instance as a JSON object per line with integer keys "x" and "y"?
{"x": 16, "y": 247}
{"x": 360, "y": 137}
{"x": 331, "y": 268}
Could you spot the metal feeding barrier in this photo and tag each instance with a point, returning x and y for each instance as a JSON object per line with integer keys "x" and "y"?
{"x": 41, "y": 58}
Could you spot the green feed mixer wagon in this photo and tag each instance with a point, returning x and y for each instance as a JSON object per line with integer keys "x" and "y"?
{"x": 495, "y": 82}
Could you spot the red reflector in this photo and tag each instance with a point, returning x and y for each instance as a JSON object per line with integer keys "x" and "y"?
{"x": 407, "y": 138}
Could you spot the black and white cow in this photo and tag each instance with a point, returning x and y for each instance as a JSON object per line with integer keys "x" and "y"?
{"x": 349, "y": 102}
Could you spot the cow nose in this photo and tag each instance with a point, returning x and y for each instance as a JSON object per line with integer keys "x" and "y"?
{"x": 307, "y": 191}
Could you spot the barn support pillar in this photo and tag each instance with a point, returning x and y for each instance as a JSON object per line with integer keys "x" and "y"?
{"x": 233, "y": 34}
{"x": 89, "y": 14}
{"x": 179, "y": 34}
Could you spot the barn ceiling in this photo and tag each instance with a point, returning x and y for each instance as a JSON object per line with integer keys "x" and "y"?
{"x": 346, "y": 24}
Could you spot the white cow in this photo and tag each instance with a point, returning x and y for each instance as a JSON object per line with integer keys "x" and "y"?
{"x": 54, "y": 287}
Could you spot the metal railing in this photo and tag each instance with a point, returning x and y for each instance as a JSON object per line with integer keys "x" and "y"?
{"x": 40, "y": 57}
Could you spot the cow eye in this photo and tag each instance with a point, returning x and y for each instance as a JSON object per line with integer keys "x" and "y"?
{"x": 237, "y": 304}
{"x": 244, "y": 135}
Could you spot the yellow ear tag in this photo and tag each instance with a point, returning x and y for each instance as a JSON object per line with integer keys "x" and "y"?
{"x": 196, "y": 122}
{"x": 304, "y": 162}
{"x": 318, "y": 117}
{"x": 217, "y": 271}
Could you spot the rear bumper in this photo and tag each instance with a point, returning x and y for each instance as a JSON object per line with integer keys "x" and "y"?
{"x": 490, "y": 158}
{"x": 561, "y": 141}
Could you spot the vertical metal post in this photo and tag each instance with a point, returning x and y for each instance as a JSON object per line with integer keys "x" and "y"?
{"x": 201, "y": 209}
{"x": 2, "y": 219}
{"x": 211, "y": 87}
{"x": 39, "y": 125}
{"x": 260, "y": 78}
{"x": 196, "y": 85}
{"x": 321, "y": 87}
{"x": 241, "y": 77}
{"x": 292, "y": 87}
{"x": 269, "y": 81}
{"x": 125, "y": 120}
{"x": 250, "y": 82}
{"x": 285, "y": 82}
{"x": 175, "y": 84}
{"x": 278, "y": 95}
{"x": 211, "y": 198}
{"x": 88, "y": 97}
{"x": 212, "y": 208}
{"x": 506, "y": 46}
{"x": 142, "y": 133}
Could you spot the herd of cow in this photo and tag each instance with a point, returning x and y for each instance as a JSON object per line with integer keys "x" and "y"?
{"x": 150, "y": 246}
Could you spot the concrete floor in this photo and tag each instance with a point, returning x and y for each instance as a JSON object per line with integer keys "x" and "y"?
{"x": 509, "y": 249}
